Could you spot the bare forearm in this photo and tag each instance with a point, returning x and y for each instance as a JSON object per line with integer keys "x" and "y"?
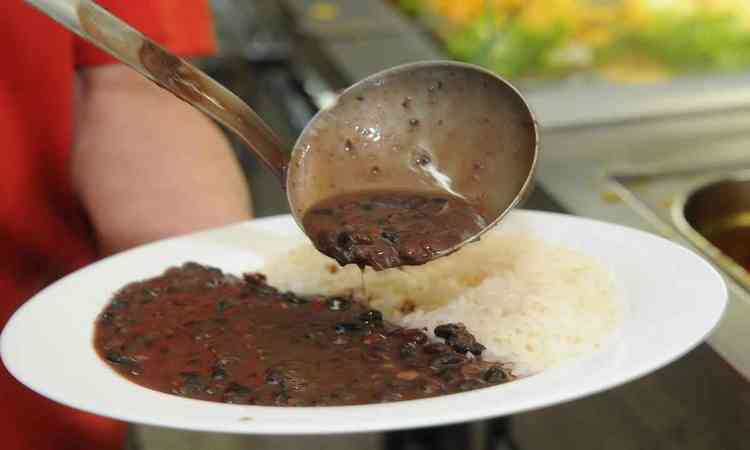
{"x": 146, "y": 165}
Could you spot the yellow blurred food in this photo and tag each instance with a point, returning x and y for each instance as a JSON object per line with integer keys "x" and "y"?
{"x": 631, "y": 40}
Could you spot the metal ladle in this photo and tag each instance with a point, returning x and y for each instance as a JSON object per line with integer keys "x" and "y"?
{"x": 425, "y": 126}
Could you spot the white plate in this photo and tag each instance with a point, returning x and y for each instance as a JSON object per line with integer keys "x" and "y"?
{"x": 672, "y": 299}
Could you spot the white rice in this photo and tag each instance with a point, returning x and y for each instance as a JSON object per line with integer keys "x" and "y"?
{"x": 533, "y": 305}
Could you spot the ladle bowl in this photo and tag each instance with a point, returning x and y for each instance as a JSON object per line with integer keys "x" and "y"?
{"x": 426, "y": 126}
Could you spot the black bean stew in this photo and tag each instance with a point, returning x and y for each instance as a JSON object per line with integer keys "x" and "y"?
{"x": 198, "y": 333}
{"x": 390, "y": 229}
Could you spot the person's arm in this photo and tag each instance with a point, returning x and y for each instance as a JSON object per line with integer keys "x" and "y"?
{"x": 146, "y": 165}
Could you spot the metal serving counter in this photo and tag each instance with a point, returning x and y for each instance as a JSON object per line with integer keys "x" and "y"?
{"x": 639, "y": 173}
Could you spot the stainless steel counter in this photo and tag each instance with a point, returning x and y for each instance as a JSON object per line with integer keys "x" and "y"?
{"x": 580, "y": 168}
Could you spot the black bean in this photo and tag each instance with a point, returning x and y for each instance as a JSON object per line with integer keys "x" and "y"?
{"x": 391, "y": 236}
{"x": 294, "y": 299}
{"x": 281, "y": 398}
{"x": 266, "y": 290}
{"x": 118, "y": 304}
{"x": 338, "y": 304}
{"x": 190, "y": 384}
{"x": 494, "y": 375}
{"x": 414, "y": 335}
{"x": 118, "y": 358}
{"x": 437, "y": 348}
{"x": 430, "y": 387}
{"x": 362, "y": 239}
{"x": 225, "y": 303}
{"x": 218, "y": 373}
{"x": 469, "y": 385}
{"x": 348, "y": 327}
{"x": 194, "y": 266}
{"x": 449, "y": 376}
{"x": 236, "y": 393}
{"x": 213, "y": 283}
{"x": 462, "y": 344}
{"x": 237, "y": 388}
{"x": 371, "y": 316}
{"x": 447, "y": 361}
{"x": 189, "y": 375}
{"x": 458, "y": 337}
{"x": 107, "y": 318}
{"x": 254, "y": 278}
{"x": 344, "y": 239}
{"x": 408, "y": 350}
{"x": 211, "y": 269}
{"x": 275, "y": 375}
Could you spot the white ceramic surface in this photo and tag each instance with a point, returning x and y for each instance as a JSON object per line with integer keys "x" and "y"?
{"x": 672, "y": 301}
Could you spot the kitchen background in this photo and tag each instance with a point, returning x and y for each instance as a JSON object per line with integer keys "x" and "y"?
{"x": 644, "y": 107}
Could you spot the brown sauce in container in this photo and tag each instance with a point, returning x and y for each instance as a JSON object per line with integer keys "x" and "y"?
{"x": 198, "y": 333}
{"x": 385, "y": 229}
{"x": 735, "y": 243}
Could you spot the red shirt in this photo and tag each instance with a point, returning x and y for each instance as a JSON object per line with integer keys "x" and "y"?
{"x": 44, "y": 232}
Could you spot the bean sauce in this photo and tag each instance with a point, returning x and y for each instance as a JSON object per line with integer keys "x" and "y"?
{"x": 198, "y": 333}
{"x": 390, "y": 229}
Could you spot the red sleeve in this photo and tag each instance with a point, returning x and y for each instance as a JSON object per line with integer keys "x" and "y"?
{"x": 183, "y": 26}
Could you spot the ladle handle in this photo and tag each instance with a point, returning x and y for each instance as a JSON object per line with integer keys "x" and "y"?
{"x": 95, "y": 24}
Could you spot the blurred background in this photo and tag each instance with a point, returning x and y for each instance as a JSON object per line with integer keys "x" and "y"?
{"x": 644, "y": 107}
